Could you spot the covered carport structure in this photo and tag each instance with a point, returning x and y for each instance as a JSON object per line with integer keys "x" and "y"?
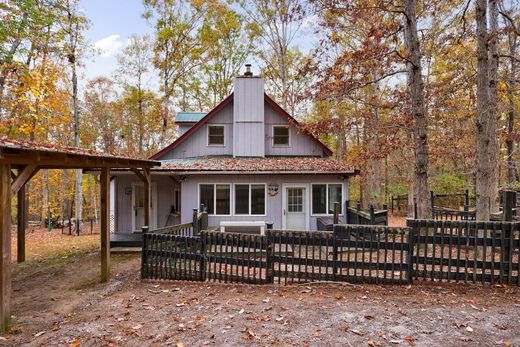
{"x": 19, "y": 162}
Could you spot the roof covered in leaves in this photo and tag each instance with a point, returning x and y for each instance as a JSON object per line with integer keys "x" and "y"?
{"x": 257, "y": 165}
{"x": 15, "y": 151}
{"x": 189, "y": 117}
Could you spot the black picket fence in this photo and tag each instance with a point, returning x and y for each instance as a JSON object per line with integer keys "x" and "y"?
{"x": 425, "y": 250}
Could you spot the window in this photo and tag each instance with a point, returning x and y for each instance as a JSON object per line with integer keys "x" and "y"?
{"x": 319, "y": 198}
{"x": 207, "y": 197}
{"x": 280, "y": 135}
{"x": 258, "y": 199}
{"x": 241, "y": 199}
{"x": 215, "y": 135}
{"x": 334, "y": 196}
{"x": 324, "y": 196}
{"x": 249, "y": 199}
{"x": 216, "y": 197}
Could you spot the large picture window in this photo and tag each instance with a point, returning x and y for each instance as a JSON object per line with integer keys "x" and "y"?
{"x": 324, "y": 196}
{"x": 216, "y": 135}
{"x": 217, "y": 198}
{"x": 249, "y": 199}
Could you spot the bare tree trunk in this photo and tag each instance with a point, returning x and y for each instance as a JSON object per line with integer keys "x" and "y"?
{"x": 484, "y": 142}
{"x": 45, "y": 195}
{"x": 511, "y": 108}
{"x": 493, "y": 102}
{"x": 79, "y": 173}
{"x": 416, "y": 87}
{"x": 410, "y": 178}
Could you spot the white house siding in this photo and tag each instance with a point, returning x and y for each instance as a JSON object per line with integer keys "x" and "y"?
{"x": 273, "y": 203}
{"x": 197, "y": 144}
{"x": 300, "y": 144}
{"x": 124, "y": 208}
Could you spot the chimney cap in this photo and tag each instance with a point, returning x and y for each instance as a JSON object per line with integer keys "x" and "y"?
{"x": 248, "y": 72}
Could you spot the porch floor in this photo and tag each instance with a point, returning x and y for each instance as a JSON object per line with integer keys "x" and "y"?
{"x": 126, "y": 240}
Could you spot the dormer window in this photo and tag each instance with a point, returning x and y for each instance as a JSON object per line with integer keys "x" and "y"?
{"x": 216, "y": 135}
{"x": 280, "y": 136}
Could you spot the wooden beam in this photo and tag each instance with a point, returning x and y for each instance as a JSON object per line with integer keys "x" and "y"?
{"x": 105, "y": 223}
{"x": 147, "y": 194}
{"x": 23, "y": 176}
{"x": 5, "y": 247}
{"x": 20, "y": 254}
{"x": 138, "y": 174}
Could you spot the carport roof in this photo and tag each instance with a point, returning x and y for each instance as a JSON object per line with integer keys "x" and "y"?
{"x": 49, "y": 156}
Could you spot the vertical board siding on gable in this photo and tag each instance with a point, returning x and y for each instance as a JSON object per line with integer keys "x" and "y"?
{"x": 248, "y": 121}
{"x": 300, "y": 143}
{"x": 124, "y": 208}
{"x": 197, "y": 143}
{"x": 273, "y": 203}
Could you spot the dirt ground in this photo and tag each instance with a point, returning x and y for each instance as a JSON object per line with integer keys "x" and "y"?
{"x": 58, "y": 301}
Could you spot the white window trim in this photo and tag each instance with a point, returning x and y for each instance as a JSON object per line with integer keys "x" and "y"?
{"x": 207, "y": 135}
{"x": 289, "y": 134}
{"x": 327, "y": 198}
{"x": 215, "y": 198}
{"x": 249, "y": 202}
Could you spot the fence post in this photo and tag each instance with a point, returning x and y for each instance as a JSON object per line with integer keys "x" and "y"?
{"x": 385, "y": 207}
{"x": 202, "y": 265}
{"x": 269, "y": 261}
{"x": 466, "y": 197}
{"x": 144, "y": 255}
{"x": 415, "y": 211}
{"x": 337, "y": 209}
{"x": 195, "y": 223}
{"x": 411, "y": 241}
{"x": 347, "y": 212}
{"x": 372, "y": 214}
{"x": 358, "y": 208}
{"x": 204, "y": 224}
{"x": 70, "y": 226}
{"x": 392, "y": 204}
{"x": 509, "y": 204}
{"x": 335, "y": 229}
{"x": 432, "y": 201}
{"x": 91, "y": 225}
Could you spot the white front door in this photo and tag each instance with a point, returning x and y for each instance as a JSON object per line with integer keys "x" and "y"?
{"x": 138, "y": 206}
{"x": 295, "y": 210}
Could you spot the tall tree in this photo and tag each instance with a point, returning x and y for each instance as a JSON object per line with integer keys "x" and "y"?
{"x": 493, "y": 100}
{"x": 485, "y": 167}
{"x": 416, "y": 88}
{"x": 177, "y": 48}
{"x": 134, "y": 64}
{"x": 73, "y": 25}
{"x": 276, "y": 22}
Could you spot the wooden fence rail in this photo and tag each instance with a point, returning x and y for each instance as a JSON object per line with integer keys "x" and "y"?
{"x": 424, "y": 250}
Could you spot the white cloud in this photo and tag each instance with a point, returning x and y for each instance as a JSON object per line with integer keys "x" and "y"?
{"x": 109, "y": 46}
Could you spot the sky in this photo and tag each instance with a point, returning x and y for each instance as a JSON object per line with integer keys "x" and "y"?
{"x": 112, "y": 24}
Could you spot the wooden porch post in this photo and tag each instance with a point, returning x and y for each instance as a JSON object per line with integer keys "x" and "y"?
{"x": 21, "y": 225}
{"x": 147, "y": 187}
{"x": 5, "y": 246}
{"x": 105, "y": 231}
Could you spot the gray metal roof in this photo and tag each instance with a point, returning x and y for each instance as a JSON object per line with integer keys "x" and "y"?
{"x": 189, "y": 117}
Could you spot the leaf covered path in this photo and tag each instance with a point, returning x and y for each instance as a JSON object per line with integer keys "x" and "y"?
{"x": 60, "y": 304}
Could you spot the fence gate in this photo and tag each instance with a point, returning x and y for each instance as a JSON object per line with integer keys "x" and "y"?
{"x": 234, "y": 257}
{"x": 372, "y": 254}
{"x": 172, "y": 257}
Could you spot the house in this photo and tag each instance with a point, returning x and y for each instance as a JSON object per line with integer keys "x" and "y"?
{"x": 247, "y": 160}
